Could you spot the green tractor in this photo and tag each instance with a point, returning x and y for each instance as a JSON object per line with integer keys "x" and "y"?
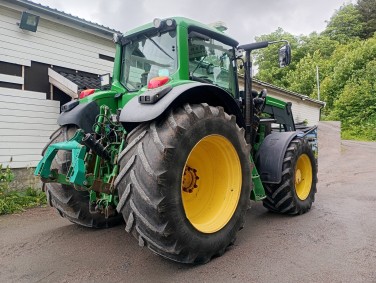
{"x": 171, "y": 146}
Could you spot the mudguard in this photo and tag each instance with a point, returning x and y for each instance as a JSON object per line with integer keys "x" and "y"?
{"x": 195, "y": 92}
{"x": 82, "y": 115}
{"x": 269, "y": 158}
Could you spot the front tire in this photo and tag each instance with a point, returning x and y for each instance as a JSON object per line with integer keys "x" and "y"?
{"x": 185, "y": 183}
{"x": 296, "y": 191}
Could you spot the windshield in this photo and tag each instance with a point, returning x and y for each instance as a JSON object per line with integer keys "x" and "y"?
{"x": 211, "y": 61}
{"x": 148, "y": 57}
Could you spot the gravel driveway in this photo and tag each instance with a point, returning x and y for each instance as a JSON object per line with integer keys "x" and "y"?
{"x": 334, "y": 242}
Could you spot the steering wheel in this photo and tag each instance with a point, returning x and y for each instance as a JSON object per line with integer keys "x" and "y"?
{"x": 260, "y": 100}
{"x": 210, "y": 69}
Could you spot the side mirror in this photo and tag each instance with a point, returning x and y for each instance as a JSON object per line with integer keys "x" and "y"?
{"x": 285, "y": 56}
{"x": 105, "y": 81}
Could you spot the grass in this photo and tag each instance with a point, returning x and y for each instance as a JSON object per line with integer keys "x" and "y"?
{"x": 16, "y": 201}
{"x": 12, "y": 201}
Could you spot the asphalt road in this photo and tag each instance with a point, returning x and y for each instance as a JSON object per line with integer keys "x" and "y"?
{"x": 334, "y": 242}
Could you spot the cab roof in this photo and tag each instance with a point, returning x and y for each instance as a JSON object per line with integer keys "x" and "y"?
{"x": 190, "y": 25}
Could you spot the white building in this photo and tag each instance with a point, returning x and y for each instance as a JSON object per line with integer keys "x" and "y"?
{"x": 34, "y": 67}
{"x": 304, "y": 108}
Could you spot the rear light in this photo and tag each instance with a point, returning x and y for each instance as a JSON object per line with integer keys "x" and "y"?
{"x": 157, "y": 82}
{"x": 86, "y": 92}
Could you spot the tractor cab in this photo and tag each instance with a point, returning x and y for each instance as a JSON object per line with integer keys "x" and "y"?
{"x": 176, "y": 49}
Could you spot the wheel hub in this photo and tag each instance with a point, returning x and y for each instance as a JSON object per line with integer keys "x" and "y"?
{"x": 189, "y": 179}
{"x": 298, "y": 177}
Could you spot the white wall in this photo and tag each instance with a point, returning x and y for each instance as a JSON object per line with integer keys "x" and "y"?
{"x": 27, "y": 120}
{"x": 305, "y": 111}
{"x": 302, "y": 109}
{"x": 53, "y": 44}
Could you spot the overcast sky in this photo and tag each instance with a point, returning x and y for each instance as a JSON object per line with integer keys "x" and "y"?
{"x": 245, "y": 19}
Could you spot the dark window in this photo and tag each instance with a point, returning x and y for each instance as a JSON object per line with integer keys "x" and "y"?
{"x": 36, "y": 78}
{"x": 61, "y": 96}
{"x": 10, "y": 69}
{"x": 105, "y": 57}
{"x": 10, "y": 85}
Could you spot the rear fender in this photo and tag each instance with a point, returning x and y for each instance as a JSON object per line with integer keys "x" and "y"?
{"x": 135, "y": 112}
{"x": 82, "y": 115}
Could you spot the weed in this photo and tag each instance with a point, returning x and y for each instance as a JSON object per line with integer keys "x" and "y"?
{"x": 14, "y": 201}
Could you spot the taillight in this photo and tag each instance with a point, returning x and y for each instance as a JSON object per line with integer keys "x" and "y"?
{"x": 86, "y": 92}
{"x": 157, "y": 82}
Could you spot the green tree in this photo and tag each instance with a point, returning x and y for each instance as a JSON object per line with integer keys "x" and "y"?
{"x": 316, "y": 49}
{"x": 267, "y": 59}
{"x": 353, "y": 59}
{"x": 367, "y": 11}
{"x": 356, "y": 105}
{"x": 317, "y": 42}
{"x": 347, "y": 64}
{"x": 345, "y": 24}
{"x": 303, "y": 78}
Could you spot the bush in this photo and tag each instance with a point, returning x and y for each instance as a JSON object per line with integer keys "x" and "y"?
{"x": 15, "y": 201}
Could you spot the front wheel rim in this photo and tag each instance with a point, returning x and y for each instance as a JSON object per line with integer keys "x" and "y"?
{"x": 211, "y": 183}
{"x": 303, "y": 177}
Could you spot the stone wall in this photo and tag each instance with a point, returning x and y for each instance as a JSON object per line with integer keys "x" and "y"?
{"x": 24, "y": 178}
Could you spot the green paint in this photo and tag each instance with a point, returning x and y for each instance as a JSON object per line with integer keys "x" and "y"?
{"x": 258, "y": 192}
{"x": 116, "y": 85}
{"x": 92, "y": 196}
{"x": 82, "y": 157}
{"x": 275, "y": 102}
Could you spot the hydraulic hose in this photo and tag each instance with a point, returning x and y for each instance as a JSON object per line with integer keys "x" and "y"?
{"x": 95, "y": 146}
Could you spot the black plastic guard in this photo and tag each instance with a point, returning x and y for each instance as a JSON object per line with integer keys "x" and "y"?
{"x": 269, "y": 158}
{"x": 135, "y": 112}
{"x": 82, "y": 115}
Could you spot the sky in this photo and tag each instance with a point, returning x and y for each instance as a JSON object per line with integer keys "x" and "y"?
{"x": 245, "y": 19}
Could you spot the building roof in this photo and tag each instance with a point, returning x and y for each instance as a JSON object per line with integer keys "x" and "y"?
{"x": 292, "y": 93}
{"x": 285, "y": 91}
{"x": 64, "y": 16}
{"x": 82, "y": 81}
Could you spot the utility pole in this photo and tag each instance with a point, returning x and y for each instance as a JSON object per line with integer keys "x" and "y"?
{"x": 318, "y": 82}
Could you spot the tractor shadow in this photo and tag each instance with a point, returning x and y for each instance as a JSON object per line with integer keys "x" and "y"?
{"x": 115, "y": 250}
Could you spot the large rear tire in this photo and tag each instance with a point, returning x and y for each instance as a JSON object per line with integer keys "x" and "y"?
{"x": 185, "y": 183}
{"x": 70, "y": 203}
{"x": 296, "y": 191}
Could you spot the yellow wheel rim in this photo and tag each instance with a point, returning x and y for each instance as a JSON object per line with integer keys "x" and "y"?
{"x": 211, "y": 184}
{"x": 303, "y": 177}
